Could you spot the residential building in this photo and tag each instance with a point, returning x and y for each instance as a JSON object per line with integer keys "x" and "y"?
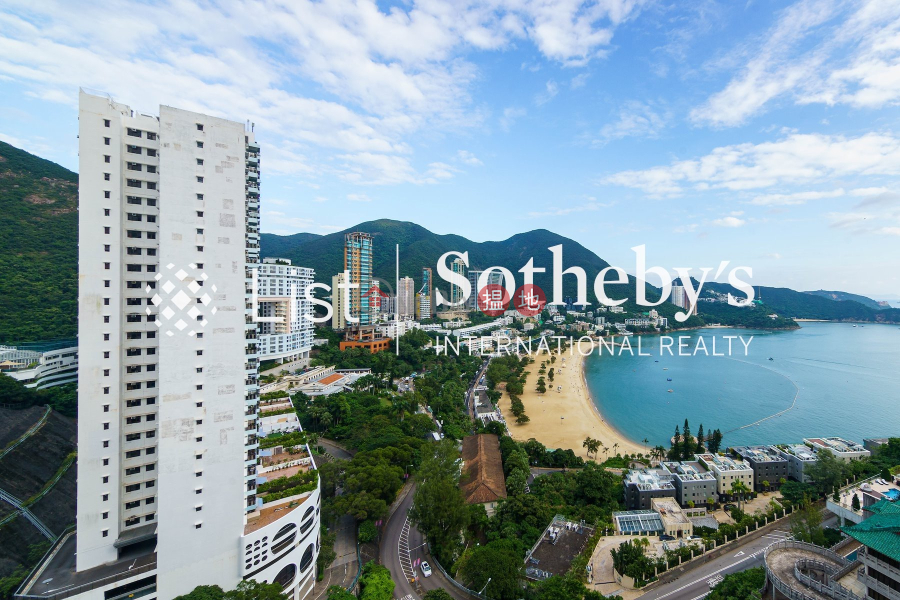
{"x": 339, "y": 299}
{"x": 842, "y": 449}
{"x": 358, "y": 256}
{"x": 873, "y": 444}
{"x": 799, "y": 457}
{"x": 482, "y": 481}
{"x": 768, "y": 465}
{"x": 680, "y": 298}
{"x": 675, "y": 521}
{"x": 880, "y": 551}
{"x": 395, "y": 329}
{"x": 426, "y": 292}
{"x": 643, "y": 486}
{"x": 406, "y": 298}
{"x": 423, "y": 306}
{"x": 458, "y": 266}
{"x": 285, "y": 327}
{"x": 473, "y": 275}
{"x": 727, "y": 472}
{"x": 616, "y": 309}
{"x": 692, "y": 482}
{"x": 168, "y": 369}
{"x": 41, "y": 365}
{"x": 278, "y": 416}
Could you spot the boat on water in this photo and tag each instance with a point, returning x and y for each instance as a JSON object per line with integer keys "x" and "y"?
{"x": 668, "y": 379}
{"x": 665, "y": 368}
{"x": 670, "y": 391}
{"x": 770, "y": 358}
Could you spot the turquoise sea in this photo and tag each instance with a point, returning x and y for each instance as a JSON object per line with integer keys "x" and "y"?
{"x": 846, "y": 381}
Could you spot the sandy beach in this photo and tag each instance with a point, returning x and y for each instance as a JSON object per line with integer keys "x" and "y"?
{"x": 563, "y": 419}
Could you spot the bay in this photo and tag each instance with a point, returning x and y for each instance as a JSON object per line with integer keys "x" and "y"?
{"x": 825, "y": 379}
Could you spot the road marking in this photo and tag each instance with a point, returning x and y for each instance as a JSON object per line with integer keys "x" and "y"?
{"x": 403, "y": 554}
{"x": 741, "y": 553}
{"x": 725, "y": 568}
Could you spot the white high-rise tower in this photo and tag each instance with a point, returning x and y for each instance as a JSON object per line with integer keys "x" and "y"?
{"x": 169, "y": 461}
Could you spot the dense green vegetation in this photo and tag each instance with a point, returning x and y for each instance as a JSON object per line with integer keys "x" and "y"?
{"x": 801, "y": 305}
{"x": 245, "y": 590}
{"x": 63, "y": 398}
{"x": 752, "y": 317}
{"x": 10, "y": 583}
{"x": 743, "y": 585}
{"x": 39, "y": 237}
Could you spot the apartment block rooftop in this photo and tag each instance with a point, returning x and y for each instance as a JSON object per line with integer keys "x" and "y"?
{"x": 560, "y": 544}
{"x": 759, "y": 454}
{"x": 688, "y": 471}
{"x": 722, "y": 464}
{"x": 838, "y": 446}
{"x": 649, "y": 480}
{"x": 800, "y": 451}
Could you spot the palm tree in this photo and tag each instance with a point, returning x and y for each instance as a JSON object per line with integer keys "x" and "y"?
{"x": 616, "y": 448}
{"x": 588, "y": 441}
{"x": 595, "y": 446}
{"x": 659, "y": 453}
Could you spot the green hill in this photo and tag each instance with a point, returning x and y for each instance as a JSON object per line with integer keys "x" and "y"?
{"x": 39, "y": 238}
{"x": 420, "y": 247}
{"x": 803, "y": 305}
{"x": 841, "y": 296}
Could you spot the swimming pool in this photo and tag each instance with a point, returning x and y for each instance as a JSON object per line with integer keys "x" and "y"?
{"x": 892, "y": 495}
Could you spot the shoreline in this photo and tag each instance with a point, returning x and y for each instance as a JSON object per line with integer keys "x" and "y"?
{"x": 563, "y": 419}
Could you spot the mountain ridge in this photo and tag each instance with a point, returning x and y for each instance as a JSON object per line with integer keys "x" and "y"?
{"x": 39, "y": 235}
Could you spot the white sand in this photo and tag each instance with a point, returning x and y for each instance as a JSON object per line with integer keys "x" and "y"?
{"x": 563, "y": 419}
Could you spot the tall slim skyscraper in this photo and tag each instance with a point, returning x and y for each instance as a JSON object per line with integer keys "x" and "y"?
{"x": 168, "y": 395}
{"x": 474, "y": 274}
{"x": 456, "y": 293}
{"x": 427, "y": 291}
{"x": 406, "y": 298}
{"x": 358, "y": 263}
{"x": 339, "y": 298}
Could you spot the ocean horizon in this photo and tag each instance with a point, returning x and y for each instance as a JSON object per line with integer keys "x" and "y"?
{"x": 824, "y": 379}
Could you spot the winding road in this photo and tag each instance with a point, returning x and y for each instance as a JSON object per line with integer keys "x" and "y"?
{"x": 401, "y": 547}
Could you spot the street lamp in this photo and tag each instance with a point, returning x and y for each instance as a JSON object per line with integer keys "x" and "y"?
{"x": 481, "y": 593}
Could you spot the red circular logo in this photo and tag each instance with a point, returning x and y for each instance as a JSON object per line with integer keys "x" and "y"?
{"x": 529, "y": 300}
{"x": 493, "y": 300}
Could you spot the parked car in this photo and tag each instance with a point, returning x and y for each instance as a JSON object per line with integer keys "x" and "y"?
{"x": 666, "y": 538}
{"x": 426, "y": 569}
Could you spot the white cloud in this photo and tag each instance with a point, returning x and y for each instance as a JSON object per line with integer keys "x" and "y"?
{"x": 579, "y": 81}
{"x": 358, "y": 198}
{"x": 590, "y": 206}
{"x": 819, "y": 51}
{"x": 510, "y": 115}
{"x": 795, "y": 159}
{"x": 795, "y": 198}
{"x": 318, "y": 199}
{"x": 549, "y": 93}
{"x": 634, "y": 119}
{"x": 729, "y": 222}
{"x": 869, "y": 191}
{"x": 468, "y": 158}
{"x": 346, "y": 75}
{"x": 772, "y": 255}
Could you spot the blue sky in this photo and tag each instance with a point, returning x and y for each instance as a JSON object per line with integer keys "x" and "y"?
{"x": 763, "y": 133}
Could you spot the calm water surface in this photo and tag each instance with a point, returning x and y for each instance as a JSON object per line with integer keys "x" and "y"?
{"x": 846, "y": 381}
